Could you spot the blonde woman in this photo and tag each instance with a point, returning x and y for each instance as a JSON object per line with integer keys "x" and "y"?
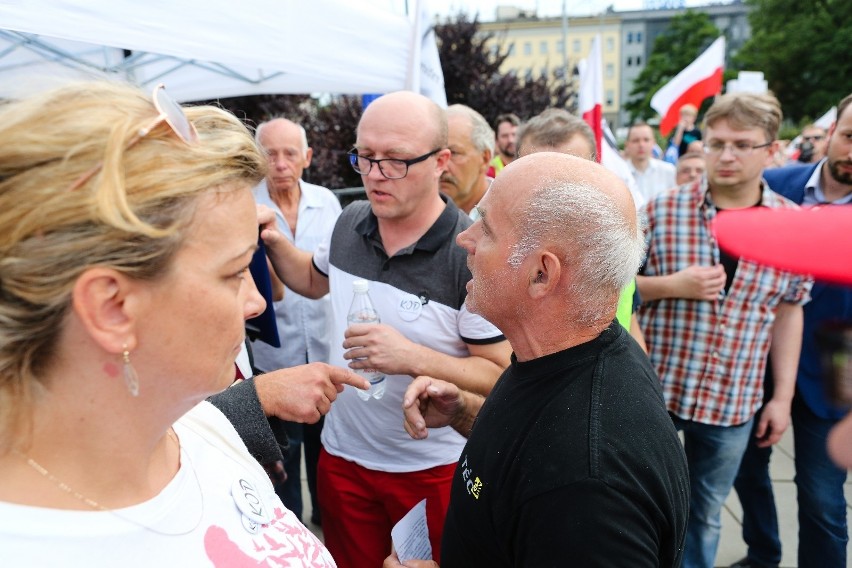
{"x": 126, "y": 230}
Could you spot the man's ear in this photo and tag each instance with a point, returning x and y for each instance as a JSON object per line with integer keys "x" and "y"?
{"x": 442, "y": 159}
{"x": 103, "y": 300}
{"x": 544, "y": 274}
{"x": 487, "y": 155}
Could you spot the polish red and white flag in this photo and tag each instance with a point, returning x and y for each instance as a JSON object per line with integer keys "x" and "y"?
{"x": 701, "y": 79}
{"x": 591, "y": 91}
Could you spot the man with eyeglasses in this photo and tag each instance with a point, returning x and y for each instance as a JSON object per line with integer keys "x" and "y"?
{"x": 402, "y": 240}
{"x": 813, "y": 144}
{"x": 709, "y": 318}
{"x": 823, "y": 534}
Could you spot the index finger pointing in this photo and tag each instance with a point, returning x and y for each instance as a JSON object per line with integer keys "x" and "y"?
{"x": 341, "y": 376}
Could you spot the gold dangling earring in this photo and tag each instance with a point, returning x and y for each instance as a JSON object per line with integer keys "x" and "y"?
{"x": 130, "y": 377}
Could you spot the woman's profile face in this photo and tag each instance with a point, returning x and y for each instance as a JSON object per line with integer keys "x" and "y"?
{"x": 198, "y": 309}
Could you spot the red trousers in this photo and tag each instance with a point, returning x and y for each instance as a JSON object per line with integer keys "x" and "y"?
{"x": 360, "y": 506}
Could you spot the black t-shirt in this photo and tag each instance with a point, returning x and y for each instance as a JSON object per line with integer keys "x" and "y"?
{"x": 573, "y": 461}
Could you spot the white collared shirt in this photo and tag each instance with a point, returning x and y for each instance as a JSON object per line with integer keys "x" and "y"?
{"x": 657, "y": 178}
{"x": 304, "y": 325}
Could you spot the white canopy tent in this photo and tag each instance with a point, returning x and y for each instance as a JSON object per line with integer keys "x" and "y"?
{"x": 205, "y": 49}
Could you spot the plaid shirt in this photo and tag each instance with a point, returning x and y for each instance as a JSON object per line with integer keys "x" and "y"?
{"x": 711, "y": 356}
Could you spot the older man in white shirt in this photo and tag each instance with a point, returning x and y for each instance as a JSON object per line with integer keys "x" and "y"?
{"x": 305, "y": 215}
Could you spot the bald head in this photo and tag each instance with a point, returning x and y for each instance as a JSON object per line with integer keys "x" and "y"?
{"x": 545, "y": 169}
{"x": 412, "y": 130}
{"x": 585, "y": 214}
{"x": 286, "y": 147}
{"x": 280, "y": 127}
{"x": 410, "y": 113}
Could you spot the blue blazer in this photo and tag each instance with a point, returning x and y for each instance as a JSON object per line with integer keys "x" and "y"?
{"x": 828, "y": 303}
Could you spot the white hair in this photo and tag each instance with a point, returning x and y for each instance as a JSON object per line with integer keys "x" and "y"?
{"x": 593, "y": 236}
{"x": 481, "y": 134}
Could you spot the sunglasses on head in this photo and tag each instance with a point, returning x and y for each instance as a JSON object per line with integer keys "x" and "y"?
{"x": 170, "y": 112}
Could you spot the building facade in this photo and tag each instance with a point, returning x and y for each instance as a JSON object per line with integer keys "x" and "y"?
{"x": 556, "y": 45}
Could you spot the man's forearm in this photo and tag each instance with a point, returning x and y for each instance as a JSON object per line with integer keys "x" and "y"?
{"x": 656, "y": 287}
{"x": 476, "y": 373}
{"x": 785, "y": 350}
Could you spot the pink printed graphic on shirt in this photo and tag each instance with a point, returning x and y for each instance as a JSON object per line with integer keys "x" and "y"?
{"x": 283, "y": 542}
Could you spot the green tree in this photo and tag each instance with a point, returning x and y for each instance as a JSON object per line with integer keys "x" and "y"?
{"x": 803, "y": 50}
{"x": 688, "y": 35}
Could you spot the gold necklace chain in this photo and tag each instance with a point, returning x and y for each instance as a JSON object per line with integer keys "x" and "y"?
{"x": 97, "y": 506}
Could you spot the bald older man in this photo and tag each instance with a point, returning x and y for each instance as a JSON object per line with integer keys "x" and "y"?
{"x": 305, "y": 214}
{"x": 402, "y": 240}
{"x": 572, "y": 459}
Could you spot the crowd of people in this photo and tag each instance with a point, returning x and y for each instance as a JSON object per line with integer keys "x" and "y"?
{"x": 574, "y": 372}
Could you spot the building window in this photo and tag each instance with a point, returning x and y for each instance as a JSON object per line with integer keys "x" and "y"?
{"x": 629, "y": 37}
{"x": 610, "y": 70}
{"x": 528, "y": 76}
{"x": 560, "y": 46}
{"x": 527, "y": 48}
{"x": 638, "y": 60}
{"x": 610, "y": 45}
{"x": 577, "y": 46}
{"x": 610, "y": 97}
{"x": 629, "y": 61}
{"x": 511, "y": 51}
{"x": 638, "y": 37}
{"x": 542, "y": 48}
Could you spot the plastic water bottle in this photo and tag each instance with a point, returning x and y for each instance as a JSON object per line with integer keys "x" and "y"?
{"x": 362, "y": 311}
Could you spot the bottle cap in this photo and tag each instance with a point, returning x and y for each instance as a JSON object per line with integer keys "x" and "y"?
{"x": 360, "y": 286}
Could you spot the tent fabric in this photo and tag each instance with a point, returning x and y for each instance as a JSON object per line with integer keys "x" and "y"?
{"x": 211, "y": 48}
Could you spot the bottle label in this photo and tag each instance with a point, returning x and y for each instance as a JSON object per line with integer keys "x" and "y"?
{"x": 409, "y": 307}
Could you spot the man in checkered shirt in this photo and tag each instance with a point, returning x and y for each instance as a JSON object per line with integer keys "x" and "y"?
{"x": 709, "y": 319}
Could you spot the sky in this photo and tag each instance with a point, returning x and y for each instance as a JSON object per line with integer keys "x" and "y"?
{"x": 543, "y": 8}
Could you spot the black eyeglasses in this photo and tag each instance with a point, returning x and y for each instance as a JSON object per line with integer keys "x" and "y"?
{"x": 391, "y": 168}
{"x": 738, "y": 149}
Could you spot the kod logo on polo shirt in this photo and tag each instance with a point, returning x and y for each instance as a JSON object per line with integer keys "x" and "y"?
{"x": 409, "y": 307}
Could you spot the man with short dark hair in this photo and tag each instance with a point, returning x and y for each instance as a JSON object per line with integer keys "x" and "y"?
{"x": 823, "y": 533}
{"x": 652, "y": 176}
{"x": 506, "y": 133}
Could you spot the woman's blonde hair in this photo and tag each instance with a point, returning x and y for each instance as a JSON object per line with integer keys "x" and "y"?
{"x": 130, "y": 216}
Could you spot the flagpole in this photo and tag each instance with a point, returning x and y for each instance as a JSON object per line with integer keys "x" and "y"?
{"x": 564, "y": 41}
